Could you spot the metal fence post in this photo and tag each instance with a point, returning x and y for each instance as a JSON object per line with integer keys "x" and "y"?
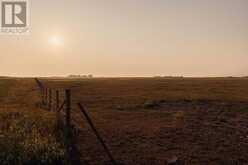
{"x": 50, "y": 100}
{"x": 97, "y": 134}
{"x": 57, "y": 108}
{"x": 57, "y": 99}
{"x": 68, "y": 111}
{"x": 46, "y": 96}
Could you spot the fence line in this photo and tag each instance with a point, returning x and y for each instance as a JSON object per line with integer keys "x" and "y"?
{"x": 47, "y": 103}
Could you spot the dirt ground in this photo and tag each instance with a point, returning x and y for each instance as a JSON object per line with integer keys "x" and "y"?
{"x": 148, "y": 121}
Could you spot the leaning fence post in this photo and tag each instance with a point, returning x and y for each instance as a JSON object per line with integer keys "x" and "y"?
{"x": 68, "y": 111}
{"x": 97, "y": 134}
{"x": 50, "y": 99}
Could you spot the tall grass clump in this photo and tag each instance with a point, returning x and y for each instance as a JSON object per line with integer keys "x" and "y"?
{"x": 28, "y": 138}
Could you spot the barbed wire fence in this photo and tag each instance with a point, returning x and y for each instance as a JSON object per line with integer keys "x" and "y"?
{"x": 63, "y": 105}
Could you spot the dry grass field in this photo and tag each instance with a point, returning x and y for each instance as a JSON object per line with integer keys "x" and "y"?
{"x": 149, "y": 121}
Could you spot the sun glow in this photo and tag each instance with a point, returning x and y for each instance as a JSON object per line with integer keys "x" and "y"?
{"x": 56, "y": 41}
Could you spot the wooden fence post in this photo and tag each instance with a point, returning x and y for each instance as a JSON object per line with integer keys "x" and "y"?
{"x": 58, "y": 110}
{"x": 46, "y": 96}
{"x": 68, "y": 111}
{"x": 57, "y": 99}
{"x": 50, "y": 100}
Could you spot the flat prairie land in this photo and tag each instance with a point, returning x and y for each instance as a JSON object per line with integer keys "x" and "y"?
{"x": 5, "y": 84}
{"x": 151, "y": 120}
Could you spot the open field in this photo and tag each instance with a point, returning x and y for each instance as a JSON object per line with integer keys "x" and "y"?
{"x": 151, "y": 120}
{"x": 5, "y": 84}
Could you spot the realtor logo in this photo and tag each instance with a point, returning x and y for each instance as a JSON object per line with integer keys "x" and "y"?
{"x": 14, "y": 17}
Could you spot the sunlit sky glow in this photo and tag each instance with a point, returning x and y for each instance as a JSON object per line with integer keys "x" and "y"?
{"x": 130, "y": 38}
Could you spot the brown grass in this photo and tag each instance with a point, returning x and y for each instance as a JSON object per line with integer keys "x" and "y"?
{"x": 27, "y": 134}
{"x": 150, "y": 120}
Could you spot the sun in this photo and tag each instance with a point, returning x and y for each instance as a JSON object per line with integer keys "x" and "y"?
{"x": 56, "y": 41}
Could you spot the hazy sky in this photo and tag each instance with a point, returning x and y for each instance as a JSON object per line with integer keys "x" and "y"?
{"x": 130, "y": 38}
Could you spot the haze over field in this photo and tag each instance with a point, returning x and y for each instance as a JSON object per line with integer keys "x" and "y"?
{"x": 130, "y": 38}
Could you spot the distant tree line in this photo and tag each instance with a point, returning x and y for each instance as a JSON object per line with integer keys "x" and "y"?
{"x": 81, "y": 76}
{"x": 168, "y": 77}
